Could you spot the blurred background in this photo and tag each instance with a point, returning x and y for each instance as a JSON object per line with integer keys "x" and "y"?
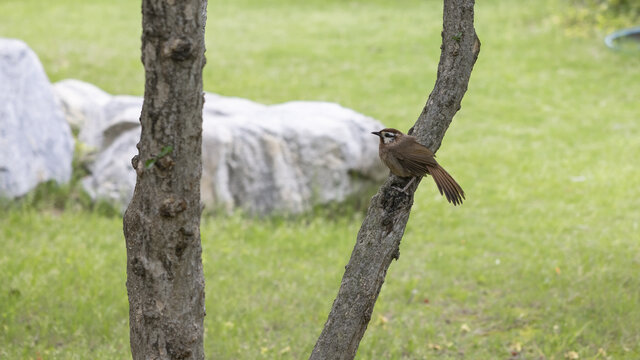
{"x": 540, "y": 262}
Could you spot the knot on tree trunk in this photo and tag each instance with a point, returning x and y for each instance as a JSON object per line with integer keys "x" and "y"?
{"x": 171, "y": 207}
{"x": 178, "y": 48}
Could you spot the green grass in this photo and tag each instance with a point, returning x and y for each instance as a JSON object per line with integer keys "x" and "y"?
{"x": 543, "y": 256}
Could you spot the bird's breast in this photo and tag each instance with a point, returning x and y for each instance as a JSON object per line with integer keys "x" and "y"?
{"x": 392, "y": 163}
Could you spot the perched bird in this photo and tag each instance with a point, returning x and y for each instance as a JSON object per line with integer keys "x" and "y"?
{"x": 406, "y": 157}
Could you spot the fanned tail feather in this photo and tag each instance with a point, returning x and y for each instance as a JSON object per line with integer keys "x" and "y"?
{"x": 447, "y": 185}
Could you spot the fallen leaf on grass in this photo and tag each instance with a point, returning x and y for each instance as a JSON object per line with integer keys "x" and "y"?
{"x": 571, "y": 355}
{"x": 515, "y": 347}
{"x": 465, "y": 328}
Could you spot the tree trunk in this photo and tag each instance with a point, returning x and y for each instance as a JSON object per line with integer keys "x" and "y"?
{"x": 165, "y": 282}
{"x": 378, "y": 241}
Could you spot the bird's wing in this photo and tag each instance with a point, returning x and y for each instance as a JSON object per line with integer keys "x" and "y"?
{"x": 414, "y": 156}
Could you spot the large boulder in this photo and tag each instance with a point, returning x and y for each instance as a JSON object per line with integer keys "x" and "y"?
{"x": 98, "y": 116}
{"x": 36, "y": 143}
{"x": 80, "y": 101}
{"x": 262, "y": 159}
{"x": 288, "y": 157}
{"x": 112, "y": 177}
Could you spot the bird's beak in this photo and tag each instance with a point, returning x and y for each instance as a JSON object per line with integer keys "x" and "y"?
{"x": 376, "y": 133}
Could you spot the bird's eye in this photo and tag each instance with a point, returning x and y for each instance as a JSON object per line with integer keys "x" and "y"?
{"x": 389, "y": 135}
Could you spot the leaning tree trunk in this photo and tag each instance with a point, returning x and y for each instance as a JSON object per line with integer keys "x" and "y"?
{"x": 379, "y": 238}
{"x": 162, "y": 223}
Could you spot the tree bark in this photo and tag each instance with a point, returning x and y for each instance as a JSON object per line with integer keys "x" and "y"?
{"x": 165, "y": 281}
{"x": 378, "y": 241}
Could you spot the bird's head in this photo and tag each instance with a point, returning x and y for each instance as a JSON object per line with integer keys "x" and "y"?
{"x": 388, "y": 135}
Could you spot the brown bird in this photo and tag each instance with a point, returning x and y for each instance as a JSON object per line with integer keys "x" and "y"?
{"x": 406, "y": 157}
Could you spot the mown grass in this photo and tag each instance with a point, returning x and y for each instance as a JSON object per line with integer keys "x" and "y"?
{"x": 540, "y": 261}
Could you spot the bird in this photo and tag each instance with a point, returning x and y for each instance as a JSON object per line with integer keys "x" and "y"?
{"x": 406, "y": 157}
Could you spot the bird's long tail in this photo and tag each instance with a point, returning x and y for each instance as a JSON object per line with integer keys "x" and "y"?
{"x": 447, "y": 185}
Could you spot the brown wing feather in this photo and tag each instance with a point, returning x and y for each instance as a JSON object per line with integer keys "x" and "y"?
{"x": 414, "y": 156}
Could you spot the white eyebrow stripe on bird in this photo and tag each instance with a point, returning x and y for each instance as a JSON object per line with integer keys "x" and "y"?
{"x": 388, "y": 137}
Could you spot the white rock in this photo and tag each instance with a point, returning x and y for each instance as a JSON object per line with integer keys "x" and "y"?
{"x": 35, "y": 141}
{"x": 113, "y": 178}
{"x": 288, "y": 157}
{"x": 80, "y": 101}
{"x": 99, "y": 116}
{"x": 120, "y": 114}
{"x": 263, "y": 159}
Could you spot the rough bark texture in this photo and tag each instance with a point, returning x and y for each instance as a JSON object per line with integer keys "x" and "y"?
{"x": 162, "y": 223}
{"x": 379, "y": 238}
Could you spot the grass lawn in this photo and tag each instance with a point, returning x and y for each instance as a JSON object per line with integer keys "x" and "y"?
{"x": 541, "y": 261}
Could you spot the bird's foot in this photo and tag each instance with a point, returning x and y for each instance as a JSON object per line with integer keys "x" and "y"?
{"x": 404, "y": 189}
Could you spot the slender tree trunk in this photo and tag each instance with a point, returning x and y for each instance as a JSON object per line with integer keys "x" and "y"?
{"x": 165, "y": 282}
{"x": 378, "y": 241}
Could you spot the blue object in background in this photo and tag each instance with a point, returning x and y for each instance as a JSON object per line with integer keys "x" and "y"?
{"x": 631, "y": 34}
